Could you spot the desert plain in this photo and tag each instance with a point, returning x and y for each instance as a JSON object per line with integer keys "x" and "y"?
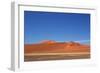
{"x": 52, "y": 50}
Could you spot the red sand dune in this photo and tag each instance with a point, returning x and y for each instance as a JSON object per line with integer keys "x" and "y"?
{"x": 49, "y": 46}
{"x": 48, "y": 41}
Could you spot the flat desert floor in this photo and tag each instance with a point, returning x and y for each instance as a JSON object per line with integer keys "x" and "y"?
{"x": 56, "y": 56}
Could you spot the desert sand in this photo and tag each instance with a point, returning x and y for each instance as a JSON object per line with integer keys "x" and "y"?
{"x": 52, "y": 50}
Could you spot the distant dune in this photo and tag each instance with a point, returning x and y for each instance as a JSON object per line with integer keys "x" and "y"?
{"x": 48, "y": 42}
{"x": 51, "y": 46}
{"x": 52, "y": 50}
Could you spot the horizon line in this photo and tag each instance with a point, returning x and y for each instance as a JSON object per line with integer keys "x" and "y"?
{"x": 79, "y": 41}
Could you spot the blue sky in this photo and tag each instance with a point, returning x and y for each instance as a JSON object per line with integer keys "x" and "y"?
{"x": 61, "y": 27}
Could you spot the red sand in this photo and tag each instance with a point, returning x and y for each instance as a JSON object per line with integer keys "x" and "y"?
{"x": 49, "y": 46}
